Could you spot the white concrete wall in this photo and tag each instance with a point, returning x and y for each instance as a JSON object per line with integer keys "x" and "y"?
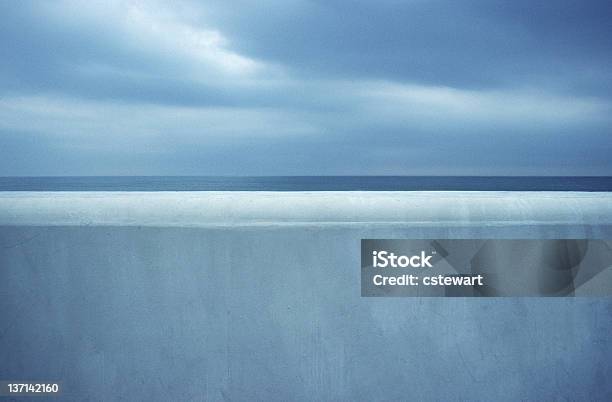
{"x": 256, "y": 296}
{"x": 185, "y": 209}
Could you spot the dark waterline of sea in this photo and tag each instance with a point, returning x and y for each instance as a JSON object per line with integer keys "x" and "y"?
{"x": 306, "y": 183}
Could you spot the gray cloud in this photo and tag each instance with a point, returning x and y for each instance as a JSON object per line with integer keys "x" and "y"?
{"x": 296, "y": 87}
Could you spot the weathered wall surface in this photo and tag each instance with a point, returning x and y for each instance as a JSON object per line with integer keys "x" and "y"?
{"x": 172, "y": 298}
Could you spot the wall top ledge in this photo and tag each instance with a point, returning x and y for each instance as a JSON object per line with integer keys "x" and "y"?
{"x": 238, "y": 208}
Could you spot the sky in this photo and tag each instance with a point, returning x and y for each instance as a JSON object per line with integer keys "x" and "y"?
{"x": 284, "y": 87}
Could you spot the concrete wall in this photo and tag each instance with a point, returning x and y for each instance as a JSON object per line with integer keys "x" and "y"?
{"x": 248, "y": 296}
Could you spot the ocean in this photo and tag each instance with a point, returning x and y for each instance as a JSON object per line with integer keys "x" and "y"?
{"x": 307, "y": 183}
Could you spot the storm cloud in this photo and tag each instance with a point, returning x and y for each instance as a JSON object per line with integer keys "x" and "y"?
{"x": 305, "y": 88}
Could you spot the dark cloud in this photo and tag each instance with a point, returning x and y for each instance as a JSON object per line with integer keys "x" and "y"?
{"x": 305, "y": 87}
{"x": 473, "y": 44}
